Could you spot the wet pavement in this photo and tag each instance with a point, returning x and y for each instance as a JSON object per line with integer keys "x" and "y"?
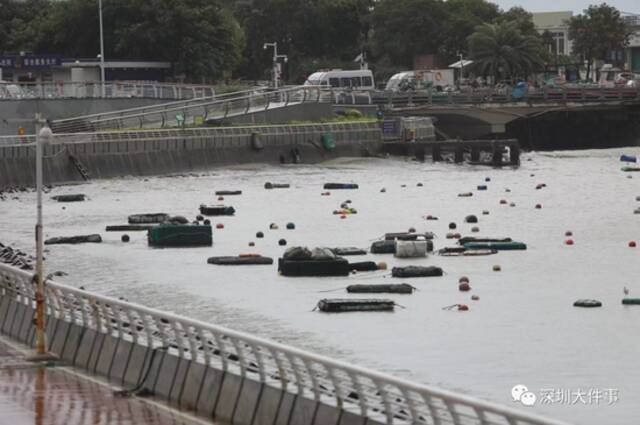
{"x": 40, "y": 395}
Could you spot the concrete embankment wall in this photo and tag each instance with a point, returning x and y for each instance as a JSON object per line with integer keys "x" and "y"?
{"x": 21, "y": 113}
{"x": 108, "y": 155}
{"x": 205, "y": 390}
{"x": 285, "y": 114}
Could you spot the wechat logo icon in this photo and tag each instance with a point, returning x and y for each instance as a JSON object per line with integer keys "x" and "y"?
{"x": 521, "y": 394}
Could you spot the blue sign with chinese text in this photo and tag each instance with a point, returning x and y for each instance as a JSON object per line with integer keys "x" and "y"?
{"x": 30, "y": 61}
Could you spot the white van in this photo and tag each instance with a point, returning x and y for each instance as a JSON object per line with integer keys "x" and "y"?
{"x": 360, "y": 79}
{"x": 420, "y": 80}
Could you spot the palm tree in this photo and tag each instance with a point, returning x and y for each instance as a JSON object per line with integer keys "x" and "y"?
{"x": 502, "y": 51}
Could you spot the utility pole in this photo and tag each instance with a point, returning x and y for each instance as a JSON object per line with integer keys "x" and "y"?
{"x": 102, "y": 79}
{"x": 275, "y": 65}
{"x": 43, "y": 137}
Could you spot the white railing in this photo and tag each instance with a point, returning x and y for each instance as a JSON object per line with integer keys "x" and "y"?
{"x": 59, "y": 139}
{"x": 371, "y": 394}
{"x": 193, "y": 112}
{"x": 93, "y": 90}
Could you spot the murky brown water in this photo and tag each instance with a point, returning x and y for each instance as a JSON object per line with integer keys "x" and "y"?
{"x": 523, "y": 330}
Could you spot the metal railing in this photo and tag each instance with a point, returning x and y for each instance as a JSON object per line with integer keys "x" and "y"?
{"x": 489, "y": 96}
{"x": 93, "y": 90}
{"x": 59, "y": 140}
{"x": 193, "y": 112}
{"x": 371, "y": 394}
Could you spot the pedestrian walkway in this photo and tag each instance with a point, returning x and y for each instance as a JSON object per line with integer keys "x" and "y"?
{"x": 34, "y": 394}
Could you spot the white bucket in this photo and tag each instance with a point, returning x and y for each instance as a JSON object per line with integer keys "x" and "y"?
{"x": 411, "y": 249}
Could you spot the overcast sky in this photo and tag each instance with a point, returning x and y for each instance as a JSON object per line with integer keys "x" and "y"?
{"x": 577, "y": 6}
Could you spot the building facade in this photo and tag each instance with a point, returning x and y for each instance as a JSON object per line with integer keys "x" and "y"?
{"x": 36, "y": 68}
{"x": 557, "y": 24}
{"x": 632, "y": 53}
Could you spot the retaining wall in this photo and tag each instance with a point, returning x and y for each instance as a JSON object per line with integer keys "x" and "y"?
{"x": 107, "y": 155}
{"x": 21, "y": 113}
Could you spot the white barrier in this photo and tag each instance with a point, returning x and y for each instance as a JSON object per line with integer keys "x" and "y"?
{"x": 379, "y": 397}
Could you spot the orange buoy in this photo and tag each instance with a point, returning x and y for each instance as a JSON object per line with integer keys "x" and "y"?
{"x": 475, "y": 297}
{"x": 382, "y": 265}
{"x": 464, "y": 287}
{"x": 632, "y": 244}
{"x": 463, "y": 307}
{"x": 568, "y": 242}
{"x": 463, "y": 279}
{"x": 219, "y": 226}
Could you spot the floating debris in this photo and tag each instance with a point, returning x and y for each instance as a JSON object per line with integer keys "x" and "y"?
{"x": 587, "y": 303}
{"x": 398, "y": 288}
{"x": 240, "y": 260}
{"x": 500, "y": 246}
{"x": 228, "y": 192}
{"x": 416, "y": 271}
{"x": 78, "y": 197}
{"x": 348, "y": 251}
{"x": 177, "y": 235}
{"x": 217, "y": 210}
{"x": 269, "y": 185}
{"x": 338, "y": 305}
{"x": 129, "y": 228}
{"x": 148, "y": 218}
{"x": 95, "y": 238}
{"x": 340, "y": 186}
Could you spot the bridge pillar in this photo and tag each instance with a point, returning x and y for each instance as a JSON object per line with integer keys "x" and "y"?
{"x": 436, "y": 153}
{"x": 497, "y": 155}
{"x": 459, "y": 154}
{"x": 419, "y": 153}
{"x": 475, "y": 154}
{"x": 514, "y": 154}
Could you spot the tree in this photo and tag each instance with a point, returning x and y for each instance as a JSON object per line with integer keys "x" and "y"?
{"x": 313, "y": 33}
{"x": 501, "y": 50}
{"x": 463, "y": 16}
{"x": 522, "y": 18}
{"x": 201, "y": 39}
{"x": 405, "y": 28}
{"x": 597, "y": 33}
{"x": 18, "y": 22}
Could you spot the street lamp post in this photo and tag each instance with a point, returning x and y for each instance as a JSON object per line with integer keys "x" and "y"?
{"x": 276, "y": 56}
{"x": 102, "y": 79}
{"x": 43, "y": 137}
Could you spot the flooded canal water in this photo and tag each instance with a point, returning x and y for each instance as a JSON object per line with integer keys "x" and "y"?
{"x": 523, "y": 329}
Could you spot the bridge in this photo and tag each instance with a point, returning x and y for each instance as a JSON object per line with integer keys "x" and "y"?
{"x": 224, "y": 374}
{"x": 196, "y": 112}
{"x": 471, "y": 114}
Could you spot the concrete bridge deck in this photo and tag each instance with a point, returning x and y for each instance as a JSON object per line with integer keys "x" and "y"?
{"x": 34, "y": 394}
